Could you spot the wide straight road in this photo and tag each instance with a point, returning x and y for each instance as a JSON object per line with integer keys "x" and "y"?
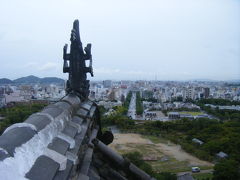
{"x": 132, "y": 107}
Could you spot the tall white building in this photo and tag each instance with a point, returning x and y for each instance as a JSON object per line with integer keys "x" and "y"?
{"x": 188, "y": 93}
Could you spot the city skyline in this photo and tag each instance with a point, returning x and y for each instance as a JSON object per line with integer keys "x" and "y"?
{"x": 137, "y": 40}
{"x": 117, "y": 80}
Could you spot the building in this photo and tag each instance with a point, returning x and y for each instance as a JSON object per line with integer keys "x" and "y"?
{"x": 107, "y": 83}
{"x": 206, "y": 92}
{"x": 174, "y": 115}
{"x": 197, "y": 141}
{"x": 111, "y": 95}
{"x": 221, "y": 155}
{"x": 2, "y": 101}
{"x": 188, "y": 93}
{"x": 14, "y": 97}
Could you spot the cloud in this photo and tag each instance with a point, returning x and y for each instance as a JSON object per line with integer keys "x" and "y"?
{"x": 49, "y": 66}
{"x": 153, "y": 38}
{"x": 186, "y": 73}
{"x": 103, "y": 70}
{"x": 31, "y": 65}
{"x": 139, "y": 73}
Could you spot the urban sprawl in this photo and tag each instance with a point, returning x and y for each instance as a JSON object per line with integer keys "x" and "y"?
{"x": 159, "y": 100}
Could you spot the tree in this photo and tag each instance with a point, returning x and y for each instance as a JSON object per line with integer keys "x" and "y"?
{"x": 226, "y": 170}
{"x": 137, "y": 159}
{"x": 166, "y": 176}
{"x": 139, "y": 106}
{"x": 17, "y": 114}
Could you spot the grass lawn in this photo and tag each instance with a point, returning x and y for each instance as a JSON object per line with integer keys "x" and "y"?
{"x": 174, "y": 166}
{"x": 202, "y": 176}
{"x": 191, "y": 113}
{"x": 171, "y": 165}
{"x": 161, "y": 162}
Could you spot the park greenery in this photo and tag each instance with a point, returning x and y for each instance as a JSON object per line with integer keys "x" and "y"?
{"x": 222, "y": 134}
{"x": 213, "y": 101}
{"x": 17, "y": 114}
{"x": 217, "y": 135}
{"x": 118, "y": 118}
{"x": 181, "y": 110}
{"x": 137, "y": 159}
{"x": 127, "y": 102}
{"x": 139, "y": 106}
{"x": 227, "y": 169}
{"x": 220, "y": 102}
{"x": 222, "y": 114}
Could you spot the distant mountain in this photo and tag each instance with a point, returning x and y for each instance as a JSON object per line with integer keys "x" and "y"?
{"x": 49, "y": 80}
{"x": 5, "y": 81}
{"x": 27, "y": 80}
{"x": 33, "y": 80}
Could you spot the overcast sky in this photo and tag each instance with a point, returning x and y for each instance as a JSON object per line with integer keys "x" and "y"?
{"x": 131, "y": 39}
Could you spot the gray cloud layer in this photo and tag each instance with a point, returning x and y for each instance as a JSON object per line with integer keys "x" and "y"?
{"x": 137, "y": 39}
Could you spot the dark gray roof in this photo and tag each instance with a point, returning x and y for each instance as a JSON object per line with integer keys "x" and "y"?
{"x": 52, "y": 137}
{"x": 57, "y": 143}
{"x": 222, "y": 154}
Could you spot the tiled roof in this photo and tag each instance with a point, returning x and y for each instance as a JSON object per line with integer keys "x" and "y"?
{"x": 48, "y": 144}
{"x": 63, "y": 141}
